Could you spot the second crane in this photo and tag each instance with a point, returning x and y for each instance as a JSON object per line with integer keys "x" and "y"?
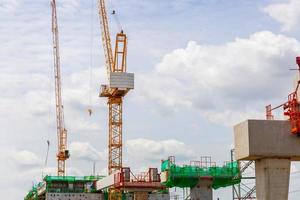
{"x": 119, "y": 83}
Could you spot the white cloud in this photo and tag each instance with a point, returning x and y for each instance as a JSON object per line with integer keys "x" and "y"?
{"x": 52, "y": 171}
{"x": 69, "y": 5}
{"x": 149, "y": 151}
{"x": 180, "y": 5}
{"x": 26, "y": 67}
{"x": 223, "y": 82}
{"x": 287, "y": 14}
{"x": 9, "y": 6}
{"x": 85, "y": 151}
{"x": 26, "y": 158}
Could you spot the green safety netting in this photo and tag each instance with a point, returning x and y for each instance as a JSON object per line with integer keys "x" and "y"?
{"x": 189, "y": 176}
{"x": 32, "y": 194}
{"x": 50, "y": 181}
{"x": 72, "y": 178}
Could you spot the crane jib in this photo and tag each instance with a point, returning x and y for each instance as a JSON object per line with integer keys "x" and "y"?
{"x": 63, "y": 153}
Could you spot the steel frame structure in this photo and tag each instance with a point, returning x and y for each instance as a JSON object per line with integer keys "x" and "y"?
{"x": 115, "y": 63}
{"x": 63, "y": 153}
{"x": 291, "y": 108}
{"x": 115, "y": 134}
{"x": 242, "y": 191}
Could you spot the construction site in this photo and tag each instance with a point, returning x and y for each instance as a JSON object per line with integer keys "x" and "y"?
{"x": 262, "y": 152}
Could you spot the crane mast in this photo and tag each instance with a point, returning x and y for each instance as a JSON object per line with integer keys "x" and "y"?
{"x": 119, "y": 83}
{"x": 63, "y": 153}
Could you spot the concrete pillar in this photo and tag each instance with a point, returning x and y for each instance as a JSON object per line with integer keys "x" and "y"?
{"x": 272, "y": 146}
{"x": 272, "y": 178}
{"x": 202, "y": 191}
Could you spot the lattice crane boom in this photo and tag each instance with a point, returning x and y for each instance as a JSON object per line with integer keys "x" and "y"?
{"x": 63, "y": 153}
{"x": 106, "y": 41}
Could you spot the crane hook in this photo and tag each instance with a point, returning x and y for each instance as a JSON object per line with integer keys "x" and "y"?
{"x": 90, "y": 111}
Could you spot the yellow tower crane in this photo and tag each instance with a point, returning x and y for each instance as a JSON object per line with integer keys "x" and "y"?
{"x": 63, "y": 153}
{"x": 119, "y": 83}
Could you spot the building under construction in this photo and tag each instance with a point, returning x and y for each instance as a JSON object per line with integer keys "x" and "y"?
{"x": 200, "y": 177}
{"x": 268, "y": 144}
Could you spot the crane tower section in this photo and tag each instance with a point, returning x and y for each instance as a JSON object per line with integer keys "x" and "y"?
{"x": 119, "y": 83}
{"x": 63, "y": 153}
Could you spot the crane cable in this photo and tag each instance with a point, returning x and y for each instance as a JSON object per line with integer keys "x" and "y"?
{"x": 115, "y": 15}
{"x": 46, "y": 159}
{"x": 90, "y": 110}
{"x": 49, "y": 121}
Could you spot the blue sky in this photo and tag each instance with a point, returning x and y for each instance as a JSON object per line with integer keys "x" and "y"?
{"x": 200, "y": 67}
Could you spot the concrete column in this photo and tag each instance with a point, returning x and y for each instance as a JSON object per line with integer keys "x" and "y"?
{"x": 202, "y": 191}
{"x": 272, "y": 178}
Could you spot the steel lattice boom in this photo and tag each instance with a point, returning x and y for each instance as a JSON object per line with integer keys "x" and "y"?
{"x": 106, "y": 41}
{"x": 63, "y": 153}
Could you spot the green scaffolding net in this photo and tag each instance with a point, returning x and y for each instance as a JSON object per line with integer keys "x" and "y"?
{"x": 64, "y": 184}
{"x": 189, "y": 176}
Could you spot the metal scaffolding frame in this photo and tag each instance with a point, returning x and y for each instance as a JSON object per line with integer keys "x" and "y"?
{"x": 244, "y": 191}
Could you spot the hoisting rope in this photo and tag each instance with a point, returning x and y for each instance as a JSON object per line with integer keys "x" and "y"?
{"x": 46, "y": 159}
{"x": 115, "y": 15}
{"x": 49, "y": 122}
{"x": 90, "y": 110}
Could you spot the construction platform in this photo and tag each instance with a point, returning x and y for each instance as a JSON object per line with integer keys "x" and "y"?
{"x": 190, "y": 175}
{"x": 142, "y": 186}
{"x": 272, "y": 146}
{"x": 200, "y": 176}
{"x": 258, "y": 139}
{"x": 65, "y": 188}
{"x": 85, "y": 188}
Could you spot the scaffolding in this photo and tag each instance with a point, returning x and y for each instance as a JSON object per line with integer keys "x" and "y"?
{"x": 63, "y": 184}
{"x": 245, "y": 190}
{"x": 188, "y": 176}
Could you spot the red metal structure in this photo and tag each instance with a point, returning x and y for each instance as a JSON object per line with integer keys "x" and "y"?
{"x": 291, "y": 108}
{"x": 269, "y": 115}
{"x": 147, "y": 181}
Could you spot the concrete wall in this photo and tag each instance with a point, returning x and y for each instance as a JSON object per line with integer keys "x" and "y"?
{"x": 84, "y": 196}
{"x": 159, "y": 197}
{"x": 256, "y": 139}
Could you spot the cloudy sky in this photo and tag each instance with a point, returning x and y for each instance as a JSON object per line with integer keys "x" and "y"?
{"x": 201, "y": 66}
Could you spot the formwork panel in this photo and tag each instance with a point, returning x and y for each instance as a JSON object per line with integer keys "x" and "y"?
{"x": 74, "y": 196}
